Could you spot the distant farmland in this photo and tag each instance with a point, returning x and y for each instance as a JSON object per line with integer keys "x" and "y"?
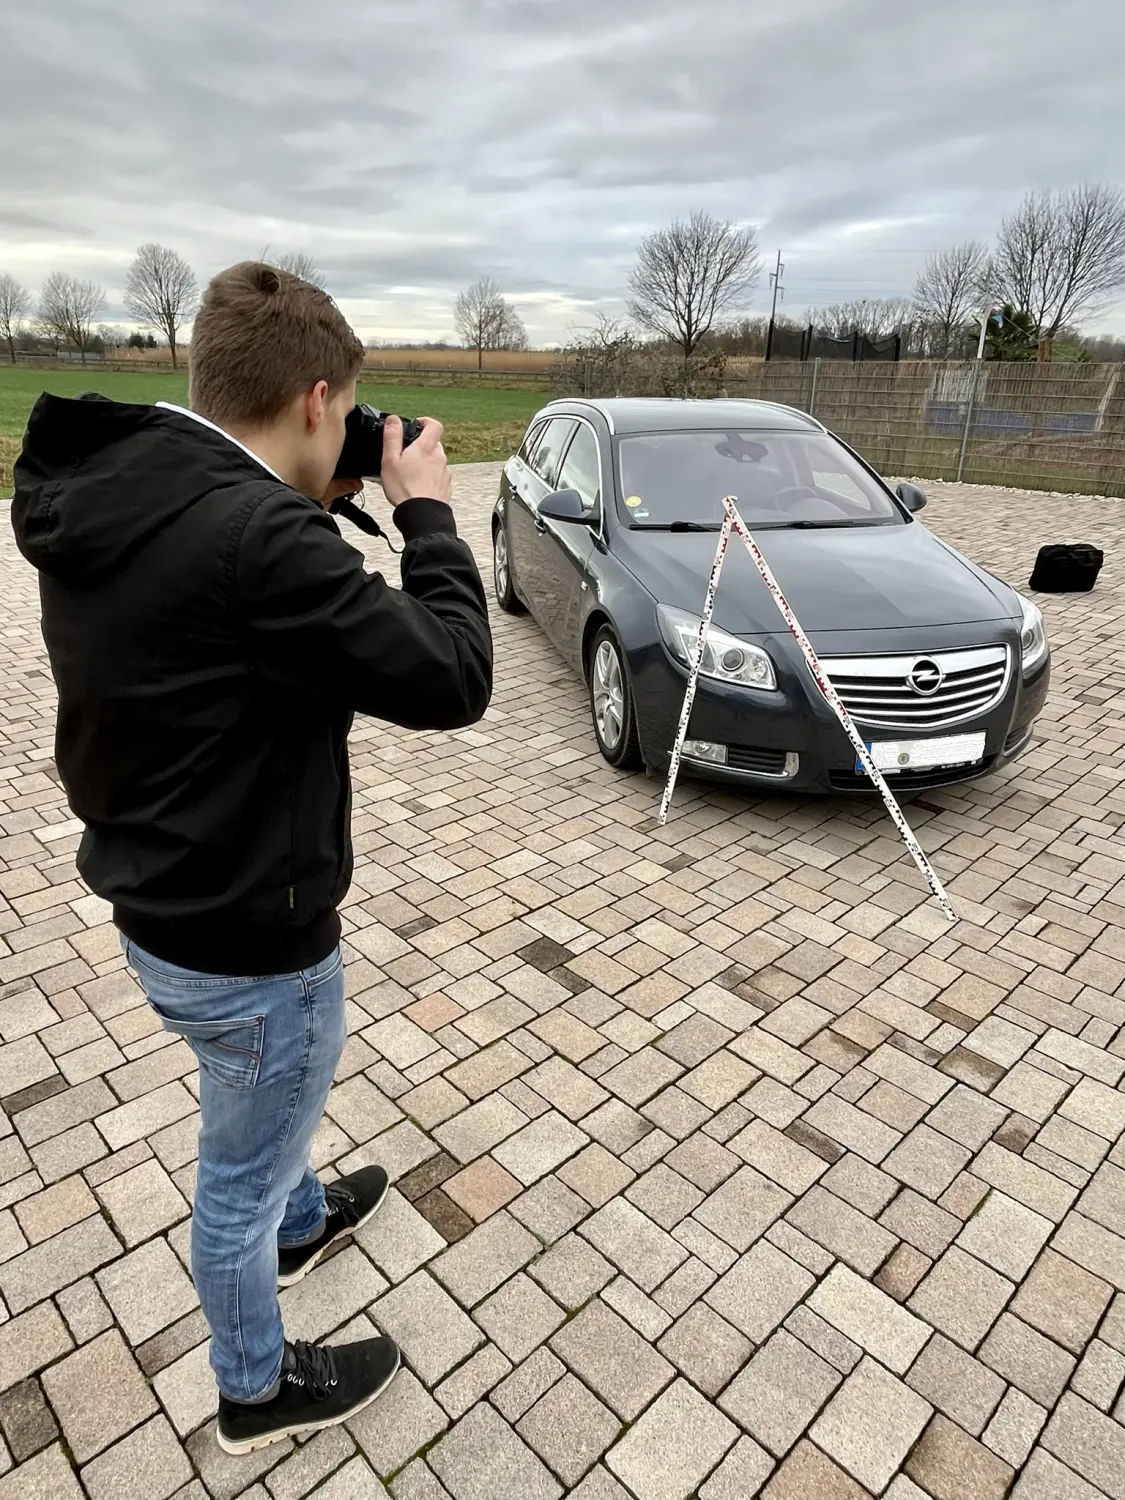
{"x": 495, "y": 361}
{"x": 481, "y": 422}
{"x": 527, "y": 366}
{"x": 458, "y": 361}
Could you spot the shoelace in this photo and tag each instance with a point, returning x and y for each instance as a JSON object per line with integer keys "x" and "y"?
{"x": 341, "y": 1202}
{"x": 315, "y": 1367}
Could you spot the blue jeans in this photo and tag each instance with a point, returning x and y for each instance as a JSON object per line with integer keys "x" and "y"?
{"x": 267, "y": 1050}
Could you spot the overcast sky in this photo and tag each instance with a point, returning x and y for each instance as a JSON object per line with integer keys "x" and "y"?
{"x": 413, "y": 145}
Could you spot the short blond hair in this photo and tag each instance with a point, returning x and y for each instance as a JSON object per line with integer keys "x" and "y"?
{"x": 261, "y": 337}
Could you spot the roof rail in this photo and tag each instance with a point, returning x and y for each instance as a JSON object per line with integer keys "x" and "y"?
{"x": 606, "y": 416}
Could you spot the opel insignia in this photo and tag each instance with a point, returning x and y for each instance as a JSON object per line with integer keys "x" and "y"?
{"x": 605, "y": 529}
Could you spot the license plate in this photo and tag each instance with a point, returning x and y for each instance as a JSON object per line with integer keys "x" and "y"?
{"x": 893, "y": 756}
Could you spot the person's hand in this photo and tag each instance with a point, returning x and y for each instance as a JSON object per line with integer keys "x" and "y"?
{"x": 418, "y": 471}
{"x": 338, "y": 488}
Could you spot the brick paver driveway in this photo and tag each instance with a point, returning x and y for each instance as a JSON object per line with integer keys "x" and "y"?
{"x": 723, "y": 1165}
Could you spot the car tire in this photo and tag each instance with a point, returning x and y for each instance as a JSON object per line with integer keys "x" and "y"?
{"x": 611, "y": 704}
{"x": 506, "y": 596}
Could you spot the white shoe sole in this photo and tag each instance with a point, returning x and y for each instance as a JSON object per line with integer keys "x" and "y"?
{"x": 280, "y": 1434}
{"x": 314, "y": 1260}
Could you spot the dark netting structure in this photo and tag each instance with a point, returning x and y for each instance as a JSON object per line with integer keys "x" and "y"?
{"x": 787, "y": 343}
{"x": 783, "y": 342}
{"x": 889, "y": 347}
{"x": 825, "y": 346}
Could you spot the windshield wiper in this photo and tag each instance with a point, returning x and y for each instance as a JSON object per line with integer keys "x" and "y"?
{"x": 681, "y": 526}
{"x": 813, "y": 525}
{"x": 761, "y": 525}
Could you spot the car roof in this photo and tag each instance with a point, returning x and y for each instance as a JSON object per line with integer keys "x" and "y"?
{"x": 633, "y": 414}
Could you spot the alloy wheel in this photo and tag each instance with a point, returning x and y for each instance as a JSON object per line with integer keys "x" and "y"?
{"x": 609, "y": 695}
{"x": 500, "y": 562}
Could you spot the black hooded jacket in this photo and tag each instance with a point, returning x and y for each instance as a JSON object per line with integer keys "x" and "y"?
{"x": 211, "y": 635}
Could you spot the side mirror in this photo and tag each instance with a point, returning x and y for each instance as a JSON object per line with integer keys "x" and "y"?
{"x": 911, "y": 496}
{"x": 565, "y": 505}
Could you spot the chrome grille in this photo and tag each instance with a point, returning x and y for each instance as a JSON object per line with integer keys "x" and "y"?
{"x": 922, "y": 691}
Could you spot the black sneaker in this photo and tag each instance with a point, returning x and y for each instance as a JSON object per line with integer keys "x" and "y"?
{"x": 351, "y": 1202}
{"x": 320, "y": 1387}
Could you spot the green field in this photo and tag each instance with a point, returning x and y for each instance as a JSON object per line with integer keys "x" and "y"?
{"x": 481, "y": 423}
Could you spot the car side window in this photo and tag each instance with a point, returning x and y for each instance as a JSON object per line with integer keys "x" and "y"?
{"x": 545, "y": 459}
{"x": 581, "y": 468}
{"x": 534, "y": 433}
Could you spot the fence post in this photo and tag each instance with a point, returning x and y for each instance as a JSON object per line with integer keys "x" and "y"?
{"x": 968, "y": 419}
{"x": 812, "y": 391}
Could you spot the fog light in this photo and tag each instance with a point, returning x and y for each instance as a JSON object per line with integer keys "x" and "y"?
{"x": 707, "y": 750}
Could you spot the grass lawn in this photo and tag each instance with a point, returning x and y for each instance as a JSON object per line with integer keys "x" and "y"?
{"x": 480, "y": 423}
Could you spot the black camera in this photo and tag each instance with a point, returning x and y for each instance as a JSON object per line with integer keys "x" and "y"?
{"x": 361, "y": 457}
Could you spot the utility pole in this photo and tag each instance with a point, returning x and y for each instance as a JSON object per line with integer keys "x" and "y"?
{"x": 778, "y": 290}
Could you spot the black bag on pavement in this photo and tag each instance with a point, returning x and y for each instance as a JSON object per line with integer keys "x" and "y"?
{"x": 1066, "y": 568}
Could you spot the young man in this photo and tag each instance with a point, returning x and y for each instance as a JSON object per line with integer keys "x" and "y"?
{"x": 211, "y": 635}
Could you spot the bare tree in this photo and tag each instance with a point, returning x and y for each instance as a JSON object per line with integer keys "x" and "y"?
{"x": 161, "y": 291}
{"x": 1061, "y": 254}
{"x": 1103, "y": 348}
{"x": 113, "y": 336}
{"x": 948, "y": 291}
{"x": 48, "y": 335}
{"x": 606, "y": 333}
{"x": 874, "y": 317}
{"x": 299, "y": 264}
{"x": 513, "y": 334}
{"x": 749, "y": 335}
{"x": 67, "y": 309}
{"x": 478, "y": 315}
{"x": 485, "y": 319}
{"x": 689, "y": 275}
{"x": 15, "y": 304}
{"x": 598, "y": 361}
{"x": 54, "y": 308}
{"x": 887, "y": 315}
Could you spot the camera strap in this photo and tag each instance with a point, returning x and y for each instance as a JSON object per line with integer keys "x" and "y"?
{"x": 359, "y": 517}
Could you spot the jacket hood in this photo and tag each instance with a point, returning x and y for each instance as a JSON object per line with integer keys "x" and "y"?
{"x": 96, "y": 480}
{"x": 869, "y": 578}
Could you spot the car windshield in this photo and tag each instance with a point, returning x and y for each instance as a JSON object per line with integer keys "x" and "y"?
{"x": 677, "y": 480}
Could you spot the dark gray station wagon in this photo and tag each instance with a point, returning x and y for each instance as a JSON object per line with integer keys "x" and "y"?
{"x": 605, "y": 529}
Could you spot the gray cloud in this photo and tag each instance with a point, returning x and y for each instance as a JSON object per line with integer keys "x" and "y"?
{"x": 411, "y": 147}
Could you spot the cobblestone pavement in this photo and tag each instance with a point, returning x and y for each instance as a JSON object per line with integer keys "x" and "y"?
{"x": 723, "y": 1165}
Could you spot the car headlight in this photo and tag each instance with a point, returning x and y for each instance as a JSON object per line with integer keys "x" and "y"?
{"x": 725, "y": 658}
{"x": 1033, "y": 634}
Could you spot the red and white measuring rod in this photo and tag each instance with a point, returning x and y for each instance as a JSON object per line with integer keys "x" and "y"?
{"x": 733, "y": 522}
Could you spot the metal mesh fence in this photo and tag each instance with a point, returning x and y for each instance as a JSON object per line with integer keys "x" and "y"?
{"x": 1027, "y": 426}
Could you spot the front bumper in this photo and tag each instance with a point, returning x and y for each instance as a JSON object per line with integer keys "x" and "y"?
{"x": 790, "y": 739}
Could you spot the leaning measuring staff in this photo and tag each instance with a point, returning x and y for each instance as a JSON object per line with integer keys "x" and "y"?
{"x": 732, "y": 521}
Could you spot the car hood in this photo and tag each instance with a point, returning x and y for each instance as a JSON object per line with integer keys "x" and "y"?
{"x": 866, "y": 578}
